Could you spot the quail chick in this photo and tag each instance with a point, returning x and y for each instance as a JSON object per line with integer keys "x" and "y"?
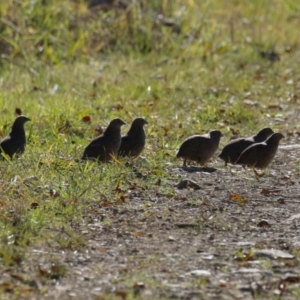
{"x": 231, "y": 152}
{"x": 199, "y": 148}
{"x": 15, "y": 142}
{"x": 259, "y": 156}
{"x": 133, "y": 143}
{"x": 104, "y": 147}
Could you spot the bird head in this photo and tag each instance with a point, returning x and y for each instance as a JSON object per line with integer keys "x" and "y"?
{"x": 19, "y": 123}
{"x": 116, "y": 123}
{"x": 276, "y": 137}
{"x": 265, "y": 132}
{"x": 20, "y": 120}
{"x": 216, "y": 134}
{"x": 139, "y": 122}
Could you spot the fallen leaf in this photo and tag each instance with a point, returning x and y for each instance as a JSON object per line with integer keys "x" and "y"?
{"x": 43, "y": 272}
{"x": 17, "y": 277}
{"x": 86, "y": 119}
{"x": 238, "y": 198}
{"x": 263, "y": 223}
{"x": 18, "y": 111}
{"x": 117, "y": 107}
{"x": 158, "y": 182}
{"x": 57, "y": 271}
{"x": 106, "y": 203}
{"x": 291, "y": 278}
{"x": 139, "y": 284}
{"x": 183, "y": 184}
{"x": 34, "y": 205}
{"x": 139, "y": 234}
{"x": 186, "y": 225}
{"x": 122, "y": 294}
{"x": 99, "y": 130}
{"x": 275, "y": 106}
{"x": 53, "y": 193}
{"x": 268, "y": 192}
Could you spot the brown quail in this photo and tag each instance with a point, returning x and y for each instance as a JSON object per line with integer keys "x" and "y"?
{"x": 104, "y": 147}
{"x": 259, "y": 156}
{"x": 231, "y": 152}
{"x": 15, "y": 142}
{"x": 199, "y": 148}
{"x": 133, "y": 143}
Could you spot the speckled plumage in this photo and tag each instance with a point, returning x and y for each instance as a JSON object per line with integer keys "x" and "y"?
{"x": 104, "y": 147}
{"x": 259, "y": 156}
{"x": 231, "y": 152}
{"x": 133, "y": 143}
{"x": 15, "y": 142}
{"x": 200, "y": 148}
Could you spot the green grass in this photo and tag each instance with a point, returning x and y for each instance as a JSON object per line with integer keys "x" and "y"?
{"x": 61, "y": 62}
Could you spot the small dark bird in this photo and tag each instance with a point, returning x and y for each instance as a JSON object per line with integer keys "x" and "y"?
{"x": 104, "y": 147}
{"x": 259, "y": 156}
{"x": 200, "y": 148}
{"x": 232, "y": 151}
{"x": 133, "y": 143}
{"x": 15, "y": 142}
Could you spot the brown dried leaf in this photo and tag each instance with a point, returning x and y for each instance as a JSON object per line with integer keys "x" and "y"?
{"x": 34, "y": 205}
{"x": 43, "y": 272}
{"x": 158, "y": 182}
{"x": 106, "y": 203}
{"x": 166, "y": 130}
{"x": 122, "y": 199}
{"x": 139, "y": 234}
{"x": 86, "y": 119}
{"x": 117, "y": 107}
{"x": 138, "y": 287}
{"x": 99, "y": 130}
{"x": 275, "y": 106}
{"x": 57, "y": 271}
{"x": 291, "y": 278}
{"x": 183, "y": 184}
{"x": 122, "y": 294}
{"x": 268, "y": 192}
{"x": 238, "y": 198}
{"x": 117, "y": 188}
{"x": 53, "y": 193}
{"x": 18, "y": 111}
{"x": 17, "y": 277}
{"x": 263, "y": 223}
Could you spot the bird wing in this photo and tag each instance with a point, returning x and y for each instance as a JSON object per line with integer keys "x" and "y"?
{"x": 250, "y": 155}
{"x": 13, "y": 145}
{"x": 194, "y": 145}
{"x": 94, "y": 149}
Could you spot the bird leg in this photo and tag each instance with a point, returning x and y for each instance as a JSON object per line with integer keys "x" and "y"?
{"x": 184, "y": 163}
{"x": 258, "y": 174}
